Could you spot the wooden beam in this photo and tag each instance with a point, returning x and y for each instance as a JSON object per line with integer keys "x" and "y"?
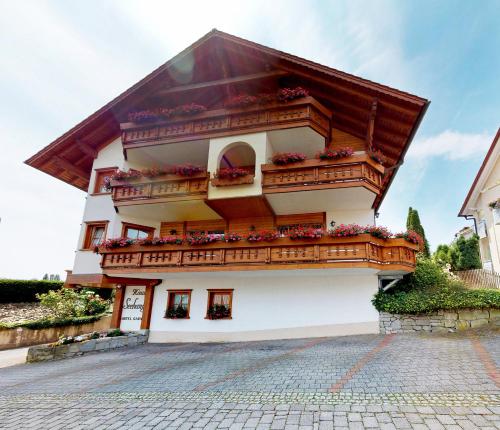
{"x": 371, "y": 124}
{"x": 225, "y": 81}
{"x": 118, "y": 306}
{"x": 147, "y": 307}
{"x": 71, "y": 168}
{"x": 86, "y": 148}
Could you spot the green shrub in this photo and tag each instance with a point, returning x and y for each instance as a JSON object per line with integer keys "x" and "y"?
{"x": 47, "y": 323}
{"x": 430, "y": 289}
{"x": 442, "y": 298}
{"x": 427, "y": 274}
{"x": 15, "y": 290}
{"x": 68, "y": 303}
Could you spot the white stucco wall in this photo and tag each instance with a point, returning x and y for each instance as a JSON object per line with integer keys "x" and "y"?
{"x": 490, "y": 192}
{"x": 133, "y": 303}
{"x": 100, "y": 208}
{"x": 259, "y": 143}
{"x": 361, "y": 217}
{"x": 271, "y": 305}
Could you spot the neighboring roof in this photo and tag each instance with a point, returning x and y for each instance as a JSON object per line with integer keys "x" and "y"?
{"x": 481, "y": 175}
{"x": 351, "y": 98}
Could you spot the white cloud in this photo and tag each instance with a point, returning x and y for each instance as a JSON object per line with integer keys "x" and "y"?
{"x": 451, "y": 145}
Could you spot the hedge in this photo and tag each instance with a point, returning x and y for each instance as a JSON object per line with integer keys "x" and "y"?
{"x": 15, "y": 291}
{"x": 48, "y": 323}
{"x": 432, "y": 300}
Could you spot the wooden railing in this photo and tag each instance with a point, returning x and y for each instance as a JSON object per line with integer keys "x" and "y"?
{"x": 161, "y": 189}
{"x": 222, "y": 122}
{"x": 358, "y": 170}
{"x": 360, "y": 251}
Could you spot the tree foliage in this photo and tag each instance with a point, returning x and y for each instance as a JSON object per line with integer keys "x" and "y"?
{"x": 413, "y": 223}
{"x": 430, "y": 289}
{"x": 461, "y": 255}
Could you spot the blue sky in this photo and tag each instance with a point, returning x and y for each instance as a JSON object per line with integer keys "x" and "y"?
{"x": 63, "y": 60}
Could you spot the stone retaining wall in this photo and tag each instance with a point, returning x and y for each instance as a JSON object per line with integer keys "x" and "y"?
{"x": 439, "y": 322}
{"x": 21, "y": 336}
{"x": 47, "y": 352}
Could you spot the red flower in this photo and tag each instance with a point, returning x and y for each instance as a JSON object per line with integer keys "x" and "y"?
{"x": 231, "y": 173}
{"x": 335, "y": 154}
{"x": 283, "y": 158}
{"x": 288, "y": 94}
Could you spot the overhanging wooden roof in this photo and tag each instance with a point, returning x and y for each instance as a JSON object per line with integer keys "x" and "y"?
{"x": 463, "y": 210}
{"x": 219, "y": 64}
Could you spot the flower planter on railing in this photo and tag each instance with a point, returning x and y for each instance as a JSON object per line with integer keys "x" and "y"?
{"x": 226, "y": 182}
{"x": 166, "y": 187}
{"x": 301, "y": 112}
{"x": 362, "y": 250}
{"x": 313, "y": 174}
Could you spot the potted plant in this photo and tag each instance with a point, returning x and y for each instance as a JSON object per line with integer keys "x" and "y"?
{"x": 306, "y": 233}
{"x": 346, "y": 230}
{"x": 202, "y": 238}
{"x": 231, "y": 176}
{"x": 262, "y": 236}
{"x": 284, "y": 158}
{"x": 335, "y": 154}
{"x": 217, "y": 312}
{"x": 178, "y": 312}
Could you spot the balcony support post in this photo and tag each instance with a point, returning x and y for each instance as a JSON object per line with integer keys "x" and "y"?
{"x": 117, "y": 306}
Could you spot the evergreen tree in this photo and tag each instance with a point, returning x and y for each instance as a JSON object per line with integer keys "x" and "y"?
{"x": 468, "y": 253}
{"x": 413, "y": 223}
{"x": 45, "y": 277}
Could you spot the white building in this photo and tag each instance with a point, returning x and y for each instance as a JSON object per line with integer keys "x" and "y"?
{"x": 483, "y": 205}
{"x": 226, "y": 107}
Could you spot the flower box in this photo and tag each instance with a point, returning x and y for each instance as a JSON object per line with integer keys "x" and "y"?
{"x": 226, "y": 182}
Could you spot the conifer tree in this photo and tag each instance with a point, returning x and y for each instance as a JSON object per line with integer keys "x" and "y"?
{"x": 413, "y": 223}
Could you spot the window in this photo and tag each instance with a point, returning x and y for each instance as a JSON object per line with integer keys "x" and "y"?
{"x": 134, "y": 231}
{"x": 284, "y": 230}
{"x": 100, "y": 180}
{"x": 178, "y": 304}
{"x": 95, "y": 234}
{"x": 220, "y": 304}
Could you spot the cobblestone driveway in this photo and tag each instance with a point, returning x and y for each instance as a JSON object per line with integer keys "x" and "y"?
{"x": 387, "y": 382}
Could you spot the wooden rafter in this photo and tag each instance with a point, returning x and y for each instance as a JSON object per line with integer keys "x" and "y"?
{"x": 86, "y": 148}
{"x": 371, "y": 124}
{"x": 222, "y": 82}
{"x": 71, "y": 167}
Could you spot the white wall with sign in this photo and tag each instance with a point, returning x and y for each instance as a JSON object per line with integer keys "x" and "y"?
{"x": 133, "y": 304}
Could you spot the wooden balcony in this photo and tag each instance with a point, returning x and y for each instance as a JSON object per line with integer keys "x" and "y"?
{"x": 166, "y": 188}
{"x": 363, "y": 251}
{"x": 355, "y": 171}
{"x": 304, "y": 112}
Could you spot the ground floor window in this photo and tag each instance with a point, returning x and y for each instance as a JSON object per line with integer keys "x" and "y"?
{"x": 220, "y": 303}
{"x": 178, "y": 304}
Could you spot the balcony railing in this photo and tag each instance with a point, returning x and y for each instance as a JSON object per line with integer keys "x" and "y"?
{"x": 222, "y": 122}
{"x": 161, "y": 189}
{"x": 327, "y": 252}
{"x": 358, "y": 170}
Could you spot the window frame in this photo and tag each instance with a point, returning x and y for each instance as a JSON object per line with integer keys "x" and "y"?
{"x": 100, "y": 172}
{"x": 144, "y": 228}
{"x": 89, "y": 228}
{"x": 211, "y": 293}
{"x": 171, "y": 302}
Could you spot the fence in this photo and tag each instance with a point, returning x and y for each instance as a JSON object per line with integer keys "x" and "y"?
{"x": 479, "y": 278}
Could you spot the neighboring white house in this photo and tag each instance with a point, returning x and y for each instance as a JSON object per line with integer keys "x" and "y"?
{"x": 483, "y": 205}
{"x": 186, "y": 157}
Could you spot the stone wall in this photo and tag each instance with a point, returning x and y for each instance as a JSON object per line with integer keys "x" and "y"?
{"x": 21, "y": 336}
{"x": 47, "y": 352}
{"x": 439, "y": 322}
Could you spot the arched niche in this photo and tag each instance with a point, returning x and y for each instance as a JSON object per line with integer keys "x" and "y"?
{"x": 237, "y": 154}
